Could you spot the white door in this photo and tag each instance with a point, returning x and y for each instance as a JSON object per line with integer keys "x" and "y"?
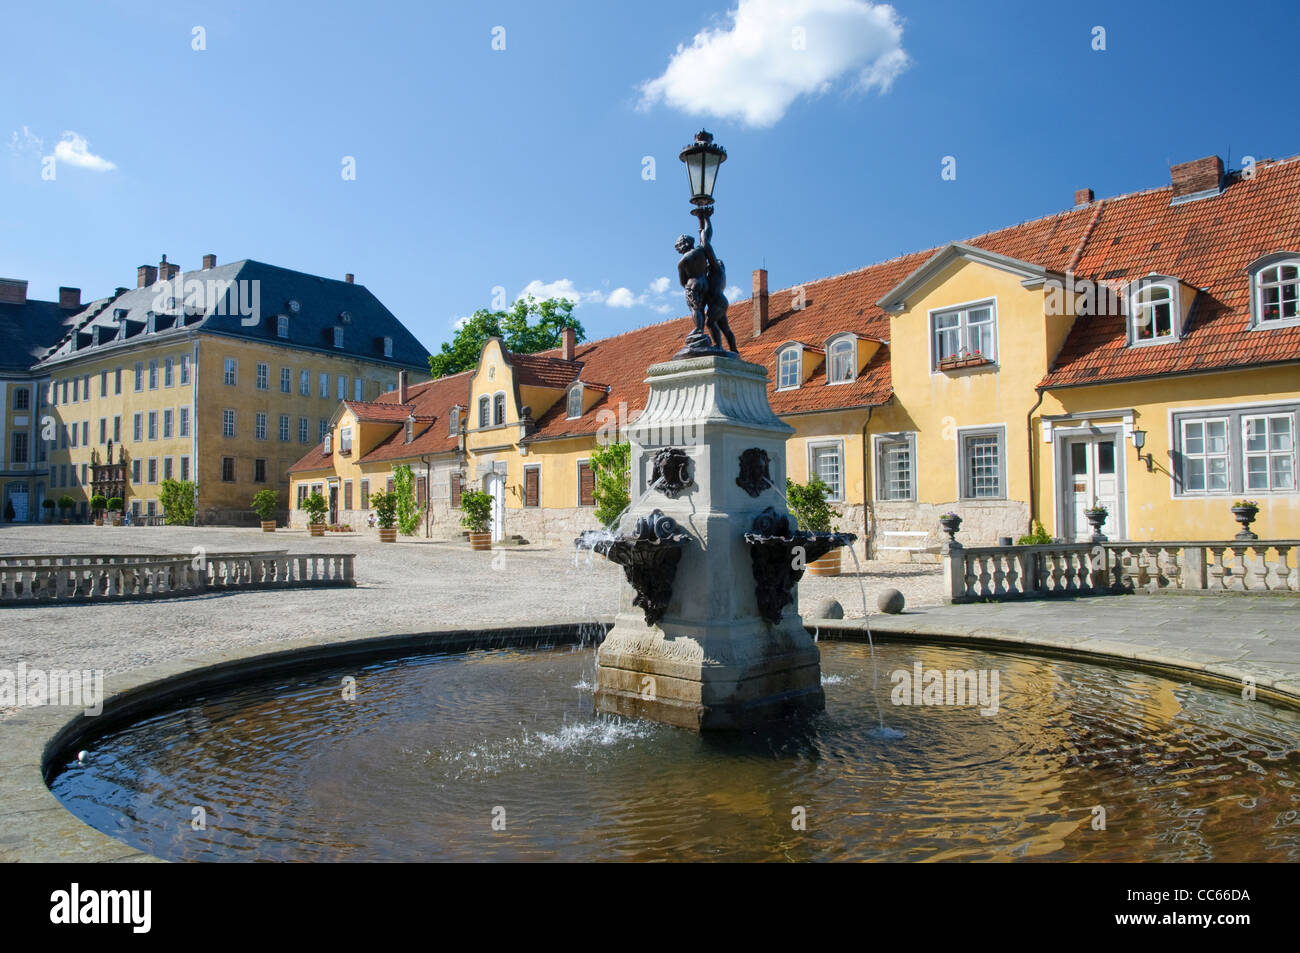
{"x": 1092, "y": 480}
{"x": 496, "y": 488}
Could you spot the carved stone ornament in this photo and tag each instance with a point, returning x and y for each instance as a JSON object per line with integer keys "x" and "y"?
{"x": 671, "y": 472}
{"x": 755, "y": 477}
{"x": 772, "y": 550}
{"x": 649, "y": 558}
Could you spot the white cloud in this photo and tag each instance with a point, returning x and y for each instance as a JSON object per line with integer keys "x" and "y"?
{"x": 563, "y": 288}
{"x": 659, "y": 286}
{"x": 72, "y": 150}
{"x": 28, "y": 143}
{"x": 734, "y": 293}
{"x": 621, "y": 298}
{"x": 775, "y": 51}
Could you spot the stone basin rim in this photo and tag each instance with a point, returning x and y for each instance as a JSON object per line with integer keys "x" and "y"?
{"x": 35, "y": 737}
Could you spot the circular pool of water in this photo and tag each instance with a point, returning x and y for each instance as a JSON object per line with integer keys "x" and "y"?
{"x": 496, "y": 755}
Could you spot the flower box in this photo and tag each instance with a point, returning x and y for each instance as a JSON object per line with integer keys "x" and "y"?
{"x": 964, "y": 360}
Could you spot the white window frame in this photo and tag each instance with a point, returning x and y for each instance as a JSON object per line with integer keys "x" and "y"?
{"x": 1144, "y": 286}
{"x": 574, "y": 392}
{"x": 230, "y": 376}
{"x": 304, "y": 383}
{"x": 1257, "y": 285}
{"x": 345, "y": 440}
{"x": 338, "y": 335}
{"x": 229, "y": 421}
{"x": 499, "y": 402}
{"x": 852, "y": 341}
{"x": 263, "y": 376}
{"x": 286, "y": 380}
{"x": 1234, "y": 417}
{"x": 325, "y": 385}
{"x": 303, "y": 430}
{"x": 282, "y": 325}
{"x": 963, "y": 327}
{"x": 388, "y": 347}
{"x": 1288, "y": 454}
{"x": 484, "y": 412}
{"x": 358, "y": 392}
{"x": 883, "y": 442}
{"x": 795, "y": 351}
{"x": 838, "y": 446}
{"x": 965, "y": 434}
{"x": 259, "y": 425}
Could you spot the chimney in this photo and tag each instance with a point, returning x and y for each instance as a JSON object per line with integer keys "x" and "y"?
{"x": 209, "y": 261}
{"x": 759, "y": 301}
{"x": 568, "y": 343}
{"x": 1082, "y": 197}
{"x": 145, "y": 275}
{"x": 1198, "y": 179}
{"x": 13, "y": 291}
{"x": 166, "y": 270}
{"x": 70, "y": 298}
{"x": 401, "y": 387}
{"x": 349, "y": 277}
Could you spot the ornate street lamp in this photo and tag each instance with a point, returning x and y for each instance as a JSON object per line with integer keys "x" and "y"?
{"x": 702, "y": 158}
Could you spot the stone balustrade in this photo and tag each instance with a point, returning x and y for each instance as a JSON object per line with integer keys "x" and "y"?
{"x": 27, "y": 580}
{"x": 978, "y": 573}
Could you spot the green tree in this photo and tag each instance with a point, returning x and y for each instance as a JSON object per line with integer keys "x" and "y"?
{"x": 809, "y": 506}
{"x": 265, "y": 503}
{"x": 408, "y": 511}
{"x": 516, "y": 328}
{"x": 612, "y": 475}
{"x": 177, "y": 499}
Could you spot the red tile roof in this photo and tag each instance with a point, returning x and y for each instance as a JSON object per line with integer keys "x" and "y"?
{"x": 541, "y": 370}
{"x": 1207, "y": 243}
{"x": 376, "y": 411}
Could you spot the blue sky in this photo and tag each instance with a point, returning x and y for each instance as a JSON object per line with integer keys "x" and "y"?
{"x": 479, "y": 168}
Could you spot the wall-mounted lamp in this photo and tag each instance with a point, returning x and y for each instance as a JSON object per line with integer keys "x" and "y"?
{"x": 1140, "y": 441}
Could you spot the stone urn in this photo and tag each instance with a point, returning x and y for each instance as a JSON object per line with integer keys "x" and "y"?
{"x": 388, "y": 534}
{"x": 268, "y": 526}
{"x": 1096, "y": 515}
{"x": 1245, "y": 513}
{"x": 316, "y": 529}
{"x": 951, "y": 522}
{"x": 480, "y": 541}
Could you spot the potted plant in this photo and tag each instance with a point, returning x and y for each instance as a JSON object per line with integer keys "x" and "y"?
{"x": 1096, "y": 515}
{"x": 115, "y": 507}
{"x": 48, "y": 506}
{"x": 951, "y": 523}
{"x": 66, "y": 503}
{"x": 1245, "y": 512}
{"x": 476, "y": 507}
{"x": 808, "y": 505}
{"x": 316, "y": 508}
{"x": 385, "y": 506}
{"x": 98, "y": 503}
{"x": 265, "y": 503}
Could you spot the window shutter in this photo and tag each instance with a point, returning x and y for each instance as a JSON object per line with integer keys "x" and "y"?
{"x": 347, "y": 494}
{"x": 421, "y": 491}
{"x": 455, "y": 490}
{"x": 532, "y": 481}
{"x": 586, "y": 485}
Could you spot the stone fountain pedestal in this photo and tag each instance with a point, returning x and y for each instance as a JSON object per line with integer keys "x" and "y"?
{"x": 710, "y": 661}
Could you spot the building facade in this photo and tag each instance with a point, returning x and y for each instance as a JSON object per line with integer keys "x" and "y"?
{"x": 1009, "y": 377}
{"x": 223, "y": 376}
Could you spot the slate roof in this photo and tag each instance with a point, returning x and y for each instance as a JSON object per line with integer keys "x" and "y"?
{"x": 28, "y": 331}
{"x": 322, "y": 301}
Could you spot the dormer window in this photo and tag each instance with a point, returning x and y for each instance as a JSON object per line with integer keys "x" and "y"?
{"x": 345, "y": 440}
{"x": 1277, "y": 292}
{"x": 327, "y": 446}
{"x": 965, "y": 336}
{"x": 484, "y": 411}
{"x": 574, "y": 408}
{"x": 338, "y": 336}
{"x": 454, "y": 420}
{"x": 499, "y": 409}
{"x": 410, "y": 428}
{"x": 1153, "y": 312}
{"x": 282, "y": 326}
{"x": 788, "y": 368}
{"x": 841, "y": 360}
{"x": 388, "y": 347}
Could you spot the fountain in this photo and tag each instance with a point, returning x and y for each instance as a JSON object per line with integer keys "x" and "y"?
{"x": 718, "y": 643}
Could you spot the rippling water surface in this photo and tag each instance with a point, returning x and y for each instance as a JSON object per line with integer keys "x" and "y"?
{"x": 436, "y": 748}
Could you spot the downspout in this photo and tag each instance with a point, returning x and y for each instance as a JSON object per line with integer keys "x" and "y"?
{"x": 428, "y": 499}
{"x": 867, "y": 483}
{"x": 1029, "y": 427}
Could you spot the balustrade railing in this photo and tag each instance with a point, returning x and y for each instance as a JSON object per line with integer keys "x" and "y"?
{"x": 1088, "y": 568}
{"x": 93, "y": 578}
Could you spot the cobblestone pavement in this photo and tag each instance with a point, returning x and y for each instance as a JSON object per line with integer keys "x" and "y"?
{"x": 403, "y": 587}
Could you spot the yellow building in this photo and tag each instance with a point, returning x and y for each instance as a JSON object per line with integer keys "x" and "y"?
{"x": 1009, "y": 378}
{"x": 223, "y": 376}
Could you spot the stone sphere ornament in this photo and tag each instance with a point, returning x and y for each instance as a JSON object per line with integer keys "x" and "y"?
{"x": 890, "y": 601}
{"x": 828, "y": 608}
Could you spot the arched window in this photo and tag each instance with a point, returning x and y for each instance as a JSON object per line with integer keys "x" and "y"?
{"x": 454, "y": 420}
{"x": 499, "y": 409}
{"x": 842, "y": 361}
{"x": 574, "y": 408}
{"x": 282, "y": 325}
{"x": 1277, "y": 293}
{"x": 788, "y": 375}
{"x": 484, "y": 409}
{"x": 1153, "y": 316}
